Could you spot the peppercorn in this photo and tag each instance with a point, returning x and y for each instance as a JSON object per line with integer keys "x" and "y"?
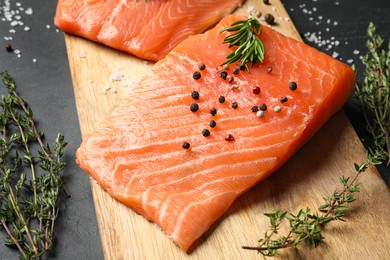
{"x": 266, "y": 2}
{"x": 212, "y": 123}
{"x": 230, "y": 79}
{"x": 277, "y": 109}
{"x": 186, "y": 145}
{"x": 256, "y": 90}
{"x": 196, "y": 75}
{"x": 293, "y": 85}
{"x": 195, "y": 95}
{"x": 221, "y": 99}
{"x": 269, "y": 18}
{"x": 229, "y": 138}
{"x": 260, "y": 114}
{"x": 235, "y": 86}
{"x": 234, "y": 105}
{"x": 201, "y": 66}
{"x": 8, "y": 47}
{"x": 194, "y": 107}
{"x": 263, "y": 107}
{"x": 242, "y": 67}
{"x": 223, "y": 74}
{"x": 283, "y": 100}
{"x": 213, "y": 111}
{"x": 205, "y": 132}
{"x": 236, "y": 71}
{"x": 255, "y": 109}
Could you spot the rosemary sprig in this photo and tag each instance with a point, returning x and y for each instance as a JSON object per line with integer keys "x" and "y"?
{"x": 29, "y": 183}
{"x": 250, "y": 47}
{"x": 374, "y": 94}
{"x": 305, "y": 226}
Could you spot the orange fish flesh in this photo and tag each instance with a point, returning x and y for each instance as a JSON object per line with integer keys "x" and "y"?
{"x": 137, "y": 153}
{"x": 147, "y": 29}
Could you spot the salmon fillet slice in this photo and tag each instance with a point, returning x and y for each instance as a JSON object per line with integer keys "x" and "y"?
{"x": 136, "y": 153}
{"x": 147, "y": 29}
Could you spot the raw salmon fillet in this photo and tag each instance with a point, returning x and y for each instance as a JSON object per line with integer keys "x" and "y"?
{"x": 148, "y": 29}
{"x": 136, "y": 154}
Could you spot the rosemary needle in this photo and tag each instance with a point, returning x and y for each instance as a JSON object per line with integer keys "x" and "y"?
{"x": 250, "y": 48}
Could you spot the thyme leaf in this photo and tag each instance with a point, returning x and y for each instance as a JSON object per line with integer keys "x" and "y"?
{"x": 374, "y": 94}
{"x": 250, "y": 48}
{"x": 305, "y": 226}
{"x": 30, "y": 180}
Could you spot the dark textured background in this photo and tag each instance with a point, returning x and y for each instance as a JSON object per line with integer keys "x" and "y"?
{"x": 47, "y": 86}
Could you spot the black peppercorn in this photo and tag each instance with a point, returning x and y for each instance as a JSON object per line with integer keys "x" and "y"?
{"x": 205, "y": 132}
{"x": 283, "y": 100}
{"x": 269, "y": 18}
{"x": 212, "y": 123}
{"x": 236, "y": 71}
{"x": 213, "y": 111}
{"x": 266, "y": 2}
{"x": 263, "y": 107}
{"x": 234, "y": 105}
{"x": 186, "y": 145}
{"x": 201, "y": 66}
{"x": 293, "y": 85}
{"x": 195, "y": 95}
{"x": 194, "y": 107}
{"x": 221, "y": 99}
{"x": 223, "y": 74}
{"x": 196, "y": 75}
{"x": 255, "y": 109}
{"x": 8, "y": 47}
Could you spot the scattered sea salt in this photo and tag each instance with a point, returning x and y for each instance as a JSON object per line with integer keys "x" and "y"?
{"x": 350, "y": 60}
{"x": 116, "y": 76}
{"x": 47, "y": 26}
{"x": 26, "y": 29}
{"x": 356, "y": 52}
{"x": 34, "y": 60}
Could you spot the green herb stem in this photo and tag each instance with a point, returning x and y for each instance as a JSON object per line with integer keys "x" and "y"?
{"x": 244, "y": 36}
{"x": 305, "y": 226}
{"x": 374, "y": 93}
{"x": 28, "y": 203}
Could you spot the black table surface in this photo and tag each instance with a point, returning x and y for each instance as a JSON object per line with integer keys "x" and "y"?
{"x": 41, "y": 70}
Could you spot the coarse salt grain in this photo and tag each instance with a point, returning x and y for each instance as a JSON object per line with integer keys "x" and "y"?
{"x": 29, "y": 11}
{"x": 356, "y": 52}
{"x": 116, "y": 76}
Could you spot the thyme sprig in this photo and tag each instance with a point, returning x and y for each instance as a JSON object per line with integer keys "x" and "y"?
{"x": 30, "y": 180}
{"x": 306, "y": 226}
{"x": 374, "y": 94}
{"x": 250, "y": 47}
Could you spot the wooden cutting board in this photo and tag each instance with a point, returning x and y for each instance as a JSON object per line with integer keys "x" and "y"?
{"x": 302, "y": 182}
